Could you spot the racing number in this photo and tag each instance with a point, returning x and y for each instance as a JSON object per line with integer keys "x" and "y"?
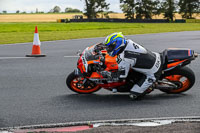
{"x": 83, "y": 59}
{"x": 118, "y": 59}
{"x": 157, "y": 63}
{"x": 135, "y": 46}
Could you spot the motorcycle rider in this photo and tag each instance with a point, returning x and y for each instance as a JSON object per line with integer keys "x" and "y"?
{"x": 131, "y": 55}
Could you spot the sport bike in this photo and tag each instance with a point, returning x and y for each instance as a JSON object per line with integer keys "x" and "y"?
{"x": 96, "y": 69}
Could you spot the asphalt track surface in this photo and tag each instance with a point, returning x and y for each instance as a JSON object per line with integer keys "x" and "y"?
{"x": 33, "y": 90}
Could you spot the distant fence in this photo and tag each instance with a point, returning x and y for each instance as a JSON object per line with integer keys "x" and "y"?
{"x": 179, "y": 21}
{"x": 122, "y": 20}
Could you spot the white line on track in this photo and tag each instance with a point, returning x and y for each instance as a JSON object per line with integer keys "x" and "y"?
{"x": 4, "y": 58}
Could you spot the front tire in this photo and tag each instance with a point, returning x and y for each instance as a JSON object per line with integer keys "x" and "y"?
{"x": 75, "y": 83}
{"x": 184, "y": 77}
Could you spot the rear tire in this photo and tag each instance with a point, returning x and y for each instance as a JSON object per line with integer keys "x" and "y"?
{"x": 74, "y": 83}
{"x": 177, "y": 76}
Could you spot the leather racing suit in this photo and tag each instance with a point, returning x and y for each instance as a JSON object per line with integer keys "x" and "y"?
{"x": 136, "y": 57}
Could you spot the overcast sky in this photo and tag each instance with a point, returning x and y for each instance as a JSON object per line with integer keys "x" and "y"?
{"x": 11, "y": 6}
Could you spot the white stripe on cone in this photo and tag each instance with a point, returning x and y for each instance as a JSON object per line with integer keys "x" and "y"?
{"x": 36, "y": 40}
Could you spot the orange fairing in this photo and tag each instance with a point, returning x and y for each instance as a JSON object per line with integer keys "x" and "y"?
{"x": 95, "y": 75}
{"x": 174, "y": 64}
{"x": 111, "y": 62}
{"x": 93, "y": 61}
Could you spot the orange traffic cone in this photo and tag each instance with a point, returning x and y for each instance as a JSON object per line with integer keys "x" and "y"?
{"x": 36, "y": 52}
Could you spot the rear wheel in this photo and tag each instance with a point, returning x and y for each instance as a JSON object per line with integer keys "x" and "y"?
{"x": 75, "y": 83}
{"x": 184, "y": 78}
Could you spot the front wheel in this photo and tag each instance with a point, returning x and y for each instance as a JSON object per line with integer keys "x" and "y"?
{"x": 184, "y": 78}
{"x": 75, "y": 83}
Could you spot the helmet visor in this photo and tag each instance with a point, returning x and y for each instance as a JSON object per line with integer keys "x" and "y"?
{"x": 111, "y": 47}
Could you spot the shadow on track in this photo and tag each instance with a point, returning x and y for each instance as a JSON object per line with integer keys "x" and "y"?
{"x": 122, "y": 97}
{"x": 116, "y": 99}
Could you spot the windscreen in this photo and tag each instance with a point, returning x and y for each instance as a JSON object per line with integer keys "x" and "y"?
{"x": 90, "y": 54}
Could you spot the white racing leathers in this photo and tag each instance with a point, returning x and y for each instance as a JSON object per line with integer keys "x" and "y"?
{"x": 136, "y": 57}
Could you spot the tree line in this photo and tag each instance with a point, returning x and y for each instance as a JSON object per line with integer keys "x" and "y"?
{"x": 57, "y": 9}
{"x": 136, "y": 9}
{"x": 145, "y": 9}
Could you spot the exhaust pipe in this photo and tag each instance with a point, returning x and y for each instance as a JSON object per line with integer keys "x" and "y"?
{"x": 163, "y": 85}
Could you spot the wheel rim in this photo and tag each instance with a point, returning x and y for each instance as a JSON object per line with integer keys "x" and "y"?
{"x": 184, "y": 81}
{"x": 77, "y": 85}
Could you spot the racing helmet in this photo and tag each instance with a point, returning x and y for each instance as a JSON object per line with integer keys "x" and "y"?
{"x": 115, "y": 43}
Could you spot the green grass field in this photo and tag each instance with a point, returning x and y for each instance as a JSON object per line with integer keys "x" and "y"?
{"x": 23, "y": 32}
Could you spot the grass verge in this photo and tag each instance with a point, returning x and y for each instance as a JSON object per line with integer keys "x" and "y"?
{"x": 23, "y": 32}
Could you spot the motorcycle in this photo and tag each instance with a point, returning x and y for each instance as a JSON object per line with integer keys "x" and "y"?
{"x": 96, "y": 69}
